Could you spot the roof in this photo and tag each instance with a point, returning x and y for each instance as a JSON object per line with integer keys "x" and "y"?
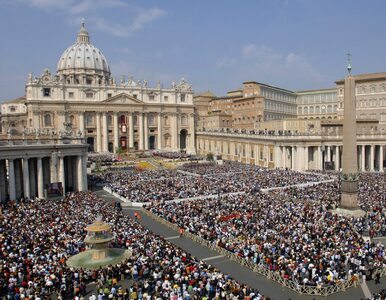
{"x": 17, "y": 100}
{"x": 365, "y": 77}
{"x": 205, "y": 94}
{"x": 270, "y": 86}
{"x": 317, "y": 90}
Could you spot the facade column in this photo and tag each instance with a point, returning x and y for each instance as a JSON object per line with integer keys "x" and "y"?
{"x": 363, "y": 158}
{"x": 319, "y": 158}
{"x": 131, "y": 130}
{"x": 116, "y": 132}
{"x": 293, "y": 158}
{"x": 192, "y": 127}
{"x": 40, "y": 178}
{"x": 98, "y": 133}
{"x": 328, "y": 153}
{"x": 174, "y": 131}
{"x": 62, "y": 177}
{"x": 105, "y": 134}
{"x": 54, "y": 167}
{"x": 283, "y": 157}
{"x": 337, "y": 158}
{"x": 372, "y": 155}
{"x": 3, "y": 181}
{"x": 26, "y": 186}
{"x": 79, "y": 171}
{"x": 305, "y": 162}
{"x": 84, "y": 172}
{"x": 12, "y": 181}
{"x": 277, "y": 157}
{"x": 140, "y": 131}
{"x": 299, "y": 158}
{"x": 381, "y": 149}
{"x": 159, "y": 131}
{"x": 81, "y": 123}
{"x": 18, "y": 177}
{"x": 146, "y": 132}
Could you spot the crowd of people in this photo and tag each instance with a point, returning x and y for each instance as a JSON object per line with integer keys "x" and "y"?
{"x": 37, "y": 236}
{"x": 292, "y": 231}
{"x": 198, "y": 180}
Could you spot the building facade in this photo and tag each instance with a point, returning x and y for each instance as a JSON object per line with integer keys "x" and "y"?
{"x": 110, "y": 115}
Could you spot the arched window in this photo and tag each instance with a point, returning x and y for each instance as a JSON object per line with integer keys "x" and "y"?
{"x": 47, "y": 120}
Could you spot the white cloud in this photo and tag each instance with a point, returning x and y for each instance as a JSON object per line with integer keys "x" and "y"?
{"x": 74, "y": 10}
{"x": 266, "y": 64}
{"x": 145, "y": 17}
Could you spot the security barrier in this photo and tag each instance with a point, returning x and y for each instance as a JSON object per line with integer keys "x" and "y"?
{"x": 273, "y": 275}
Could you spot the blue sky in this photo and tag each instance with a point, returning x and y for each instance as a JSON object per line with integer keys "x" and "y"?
{"x": 215, "y": 45}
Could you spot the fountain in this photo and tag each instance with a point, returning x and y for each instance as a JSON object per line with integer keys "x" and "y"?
{"x": 98, "y": 254}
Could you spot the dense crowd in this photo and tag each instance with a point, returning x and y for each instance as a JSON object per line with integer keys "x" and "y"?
{"x": 37, "y": 236}
{"x": 205, "y": 180}
{"x": 378, "y": 296}
{"x": 291, "y": 231}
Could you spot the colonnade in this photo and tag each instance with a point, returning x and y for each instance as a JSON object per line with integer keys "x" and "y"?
{"x": 299, "y": 156}
{"x": 28, "y": 176}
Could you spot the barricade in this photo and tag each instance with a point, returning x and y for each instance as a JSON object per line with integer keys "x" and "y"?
{"x": 273, "y": 275}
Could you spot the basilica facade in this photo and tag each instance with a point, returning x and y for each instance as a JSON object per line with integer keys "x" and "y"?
{"x": 111, "y": 115}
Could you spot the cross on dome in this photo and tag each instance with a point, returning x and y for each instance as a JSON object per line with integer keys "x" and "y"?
{"x": 83, "y": 36}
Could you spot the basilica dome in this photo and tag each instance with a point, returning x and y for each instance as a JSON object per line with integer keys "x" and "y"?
{"x": 83, "y": 58}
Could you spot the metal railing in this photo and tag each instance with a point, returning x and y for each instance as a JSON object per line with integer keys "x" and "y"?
{"x": 339, "y": 286}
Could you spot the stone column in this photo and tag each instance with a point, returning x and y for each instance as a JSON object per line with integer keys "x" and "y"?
{"x": 26, "y": 187}
{"x": 337, "y": 158}
{"x": 328, "y": 148}
{"x": 40, "y": 178}
{"x": 131, "y": 130}
{"x": 140, "y": 131}
{"x": 3, "y": 181}
{"x": 174, "y": 131}
{"x": 277, "y": 157}
{"x": 12, "y": 181}
{"x": 62, "y": 175}
{"x": 84, "y": 172}
{"x": 319, "y": 155}
{"x": 79, "y": 171}
{"x": 159, "y": 131}
{"x": 54, "y": 167}
{"x": 18, "y": 177}
{"x": 32, "y": 177}
{"x": 293, "y": 151}
{"x": 283, "y": 157}
{"x": 105, "y": 143}
{"x": 372, "y": 154}
{"x": 192, "y": 141}
{"x": 146, "y": 131}
{"x": 116, "y": 132}
{"x": 81, "y": 123}
{"x": 363, "y": 158}
{"x": 381, "y": 149}
{"x": 306, "y": 167}
{"x": 98, "y": 133}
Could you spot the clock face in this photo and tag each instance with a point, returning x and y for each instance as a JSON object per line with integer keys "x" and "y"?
{"x": 46, "y": 78}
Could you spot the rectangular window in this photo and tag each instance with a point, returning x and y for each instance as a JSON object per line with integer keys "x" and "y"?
{"x": 71, "y": 95}
{"x": 182, "y": 97}
{"x": 151, "y": 97}
{"x": 46, "y": 92}
{"x": 89, "y": 95}
{"x": 166, "y": 98}
{"x": 135, "y": 96}
{"x": 109, "y": 95}
{"x": 88, "y": 81}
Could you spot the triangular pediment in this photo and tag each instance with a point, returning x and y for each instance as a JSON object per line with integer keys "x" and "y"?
{"x": 122, "y": 98}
